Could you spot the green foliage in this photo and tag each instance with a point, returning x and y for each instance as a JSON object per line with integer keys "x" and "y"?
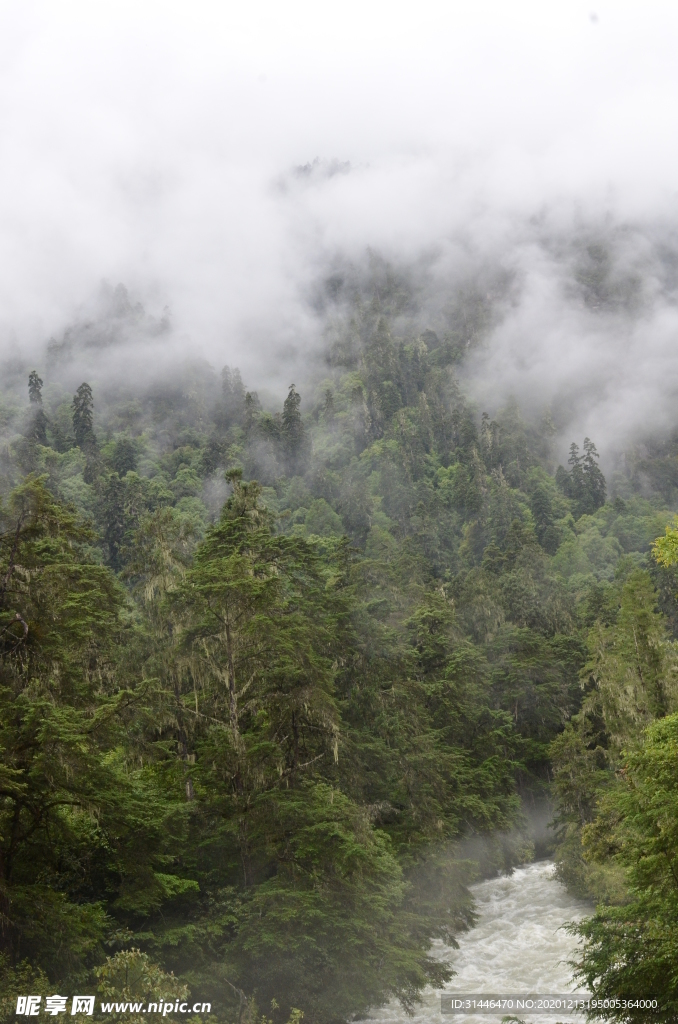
{"x": 130, "y": 976}
{"x": 632, "y": 949}
{"x": 665, "y": 549}
{"x": 19, "y": 980}
{"x": 633, "y": 664}
{"x": 614, "y": 768}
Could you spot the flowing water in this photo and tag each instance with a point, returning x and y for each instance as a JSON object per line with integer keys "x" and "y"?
{"x": 517, "y": 946}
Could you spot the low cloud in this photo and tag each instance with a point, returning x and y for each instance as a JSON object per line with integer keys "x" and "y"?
{"x": 223, "y": 164}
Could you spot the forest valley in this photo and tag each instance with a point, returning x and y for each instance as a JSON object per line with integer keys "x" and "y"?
{"x": 276, "y": 687}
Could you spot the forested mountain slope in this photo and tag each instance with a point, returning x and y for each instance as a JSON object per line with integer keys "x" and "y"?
{"x": 263, "y": 670}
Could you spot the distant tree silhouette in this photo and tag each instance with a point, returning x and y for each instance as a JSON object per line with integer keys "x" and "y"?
{"x": 83, "y": 428}
{"x": 584, "y": 483}
{"x": 293, "y": 433}
{"x": 34, "y": 388}
{"x": 234, "y": 394}
{"x": 125, "y": 456}
{"x": 83, "y": 420}
{"x": 37, "y": 431}
{"x": 252, "y": 409}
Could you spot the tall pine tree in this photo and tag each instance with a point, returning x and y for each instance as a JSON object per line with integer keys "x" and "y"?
{"x": 293, "y": 432}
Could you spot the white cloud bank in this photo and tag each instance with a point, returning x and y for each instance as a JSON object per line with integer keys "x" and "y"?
{"x": 143, "y": 141}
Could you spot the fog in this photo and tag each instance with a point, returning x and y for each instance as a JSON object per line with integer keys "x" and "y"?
{"x": 222, "y": 159}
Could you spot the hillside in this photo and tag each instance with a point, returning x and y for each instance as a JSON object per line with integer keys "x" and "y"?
{"x": 264, "y": 669}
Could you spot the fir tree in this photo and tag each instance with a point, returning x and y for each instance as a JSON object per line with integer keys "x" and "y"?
{"x": 113, "y": 518}
{"x": 293, "y": 432}
{"x": 252, "y": 410}
{"x": 69, "y": 814}
{"x": 125, "y": 456}
{"x": 37, "y": 432}
{"x": 585, "y": 483}
{"x": 594, "y": 488}
{"x": 328, "y": 406}
{"x": 83, "y": 421}
{"x": 83, "y": 428}
{"x": 34, "y": 388}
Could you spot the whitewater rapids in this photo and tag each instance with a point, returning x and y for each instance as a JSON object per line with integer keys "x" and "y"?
{"x": 518, "y": 945}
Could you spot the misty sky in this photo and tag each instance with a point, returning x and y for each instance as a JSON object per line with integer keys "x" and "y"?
{"x": 153, "y": 143}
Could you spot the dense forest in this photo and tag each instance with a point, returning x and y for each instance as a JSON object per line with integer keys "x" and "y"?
{"x": 277, "y": 685}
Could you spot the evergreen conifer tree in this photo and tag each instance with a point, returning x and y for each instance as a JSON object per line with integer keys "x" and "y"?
{"x": 83, "y": 428}
{"x": 83, "y": 422}
{"x": 594, "y": 488}
{"x": 293, "y": 433}
{"x": 34, "y": 388}
{"x": 585, "y": 483}
{"x": 38, "y": 427}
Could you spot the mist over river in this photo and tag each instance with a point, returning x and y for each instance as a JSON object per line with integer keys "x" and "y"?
{"x": 518, "y": 945}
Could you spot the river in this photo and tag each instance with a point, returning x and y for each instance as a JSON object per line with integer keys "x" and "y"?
{"x": 517, "y": 946}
